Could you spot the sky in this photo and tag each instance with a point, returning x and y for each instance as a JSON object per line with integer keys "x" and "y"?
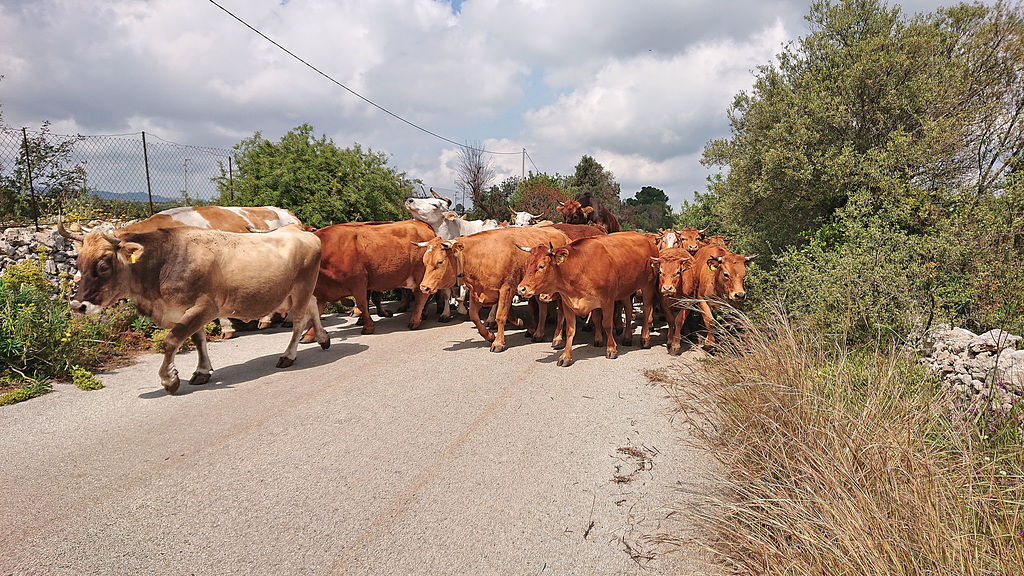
{"x": 639, "y": 85}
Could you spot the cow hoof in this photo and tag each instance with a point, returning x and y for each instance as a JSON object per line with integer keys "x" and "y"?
{"x": 645, "y": 344}
{"x": 199, "y": 379}
{"x": 675, "y": 350}
{"x": 628, "y": 342}
{"x": 611, "y": 354}
{"x": 557, "y": 343}
{"x": 445, "y": 318}
{"x": 307, "y": 340}
{"x": 173, "y": 386}
{"x": 227, "y": 335}
{"x": 360, "y": 322}
{"x": 367, "y": 330}
{"x": 413, "y": 325}
{"x": 517, "y": 322}
{"x": 387, "y": 314}
{"x": 565, "y": 361}
{"x": 262, "y": 325}
{"x": 326, "y": 344}
{"x": 495, "y": 347}
{"x": 284, "y": 362}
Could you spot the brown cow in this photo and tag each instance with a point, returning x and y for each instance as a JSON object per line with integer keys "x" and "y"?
{"x": 593, "y": 274}
{"x": 223, "y": 218}
{"x": 715, "y": 241}
{"x": 677, "y": 285}
{"x": 378, "y": 256}
{"x": 588, "y": 210}
{"x": 184, "y": 277}
{"x": 490, "y": 266}
{"x": 719, "y": 277}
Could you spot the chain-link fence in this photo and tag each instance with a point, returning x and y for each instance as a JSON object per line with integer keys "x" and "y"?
{"x": 39, "y": 168}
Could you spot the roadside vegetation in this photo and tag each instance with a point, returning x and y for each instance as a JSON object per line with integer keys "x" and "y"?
{"x": 877, "y": 168}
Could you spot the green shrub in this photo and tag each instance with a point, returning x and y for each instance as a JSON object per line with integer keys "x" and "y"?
{"x": 85, "y": 379}
{"x": 26, "y": 272}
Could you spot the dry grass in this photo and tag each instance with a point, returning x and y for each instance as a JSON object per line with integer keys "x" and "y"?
{"x": 841, "y": 462}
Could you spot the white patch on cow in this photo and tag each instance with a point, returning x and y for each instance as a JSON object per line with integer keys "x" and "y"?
{"x": 670, "y": 239}
{"x": 187, "y": 216}
{"x": 243, "y": 214}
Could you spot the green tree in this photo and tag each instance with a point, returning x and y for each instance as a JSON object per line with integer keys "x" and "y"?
{"x": 591, "y": 176}
{"x": 852, "y": 155}
{"x": 321, "y": 183}
{"x": 649, "y": 210}
{"x": 540, "y": 194}
{"x": 44, "y": 178}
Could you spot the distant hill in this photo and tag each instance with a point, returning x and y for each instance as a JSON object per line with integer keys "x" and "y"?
{"x": 134, "y": 197}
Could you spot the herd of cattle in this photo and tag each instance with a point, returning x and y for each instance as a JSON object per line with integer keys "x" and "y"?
{"x": 187, "y": 266}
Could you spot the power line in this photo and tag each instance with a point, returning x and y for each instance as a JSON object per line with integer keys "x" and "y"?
{"x": 353, "y": 92}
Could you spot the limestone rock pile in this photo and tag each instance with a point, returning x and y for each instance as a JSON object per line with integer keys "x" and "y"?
{"x": 984, "y": 370}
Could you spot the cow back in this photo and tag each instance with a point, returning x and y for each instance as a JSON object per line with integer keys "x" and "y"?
{"x": 370, "y": 256}
{"x": 577, "y": 231}
{"x": 491, "y": 258}
{"x": 223, "y": 218}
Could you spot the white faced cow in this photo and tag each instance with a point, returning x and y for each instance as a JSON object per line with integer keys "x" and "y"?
{"x": 447, "y": 225}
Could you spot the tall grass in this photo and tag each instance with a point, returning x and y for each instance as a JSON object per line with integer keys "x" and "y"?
{"x": 844, "y": 461}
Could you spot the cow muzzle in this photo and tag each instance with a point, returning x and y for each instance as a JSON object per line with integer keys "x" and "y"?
{"x": 668, "y": 289}
{"x": 739, "y": 296}
{"x": 524, "y": 291}
{"x": 85, "y": 307}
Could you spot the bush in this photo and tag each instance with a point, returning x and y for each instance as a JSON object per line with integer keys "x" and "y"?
{"x": 26, "y": 272}
{"x": 85, "y": 379}
{"x": 850, "y": 461}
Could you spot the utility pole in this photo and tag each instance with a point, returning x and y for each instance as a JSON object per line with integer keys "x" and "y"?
{"x": 186, "y": 180}
{"x": 524, "y": 163}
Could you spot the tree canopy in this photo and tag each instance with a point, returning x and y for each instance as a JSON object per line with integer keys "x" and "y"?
{"x": 321, "y": 183}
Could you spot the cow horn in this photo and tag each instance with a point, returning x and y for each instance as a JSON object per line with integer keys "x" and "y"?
{"x": 512, "y": 210}
{"x": 69, "y": 235}
{"x": 439, "y": 197}
{"x": 109, "y": 237}
{"x": 655, "y": 259}
{"x": 523, "y": 249}
{"x": 535, "y": 215}
{"x": 751, "y": 257}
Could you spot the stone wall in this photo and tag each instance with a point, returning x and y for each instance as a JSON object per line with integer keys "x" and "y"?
{"x": 983, "y": 370}
{"x": 20, "y": 244}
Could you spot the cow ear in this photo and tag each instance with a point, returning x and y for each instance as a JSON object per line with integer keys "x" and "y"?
{"x": 560, "y": 255}
{"x": 457, "y": 248}
{"x": 713, "y": 264}
{"x": 727, "y": 241}
{"x": 588, "y": 210}
{"x": 130, "y": 252}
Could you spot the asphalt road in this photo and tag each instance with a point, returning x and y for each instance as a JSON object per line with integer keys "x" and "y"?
{"x": 401, "y": 452}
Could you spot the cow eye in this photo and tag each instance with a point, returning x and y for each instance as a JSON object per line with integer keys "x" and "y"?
{"x": 103, "y": 267}
{"x": 726, "y": 274}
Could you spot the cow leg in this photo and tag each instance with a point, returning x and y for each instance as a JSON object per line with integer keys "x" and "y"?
{"x": 265, "y": 322}
{"x": 191, "y": 322}
{"x": 542, "y": 319}
{"x": 227, "y": 329}
{"x": 474, "y": 314}
{"x": 627, "y": 329}
{"x": 560, "y": 319}
{"x": 204, "y": 369}
{"x": 446, "y": 296}
{"x": 670, "y": 315}
{"x": 461, "y": 299}
{"x": 310, "y": 336}
{"x": 311, "y": 314}
{"x": 381, "y": 310}
{"x": 418, "y": 306}
{"x": 364, "y": 308}
{"x": 648, "y": 308}
{"x": 570, "y": 330}
{"x": 709, "y": 323}
{"x": 596, "y": 322}
{"x": 503, "y": 307}
{"x": 608, "y": 325}
{"x": 492, "y": 317}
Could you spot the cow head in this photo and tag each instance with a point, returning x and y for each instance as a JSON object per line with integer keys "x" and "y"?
{"x": 541, "y": 272}
{"x": 523, "y": 218}
{"x": 729, "y": 270}
{"x": 429, "y": 210}
{"x": 572, "y": 212}
{"x": 672, "y": 263}
{"x": 690, "y": 239}
{"x": 103, "y": 262}
{"x": 717, "y": 241}
{"x": 441, "y": 264}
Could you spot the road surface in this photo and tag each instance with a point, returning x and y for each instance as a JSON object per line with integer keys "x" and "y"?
{"x": 401, "y": 452}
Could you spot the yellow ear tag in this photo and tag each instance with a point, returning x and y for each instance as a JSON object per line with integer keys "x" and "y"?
{"x": 457, "y": 250}
{"x": 560, "y": 259}
{"x": 712, "y": 267}
{"x": 135, "y": 257}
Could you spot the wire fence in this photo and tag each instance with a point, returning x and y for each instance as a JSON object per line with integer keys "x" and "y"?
{"x": 138, "y": 168}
